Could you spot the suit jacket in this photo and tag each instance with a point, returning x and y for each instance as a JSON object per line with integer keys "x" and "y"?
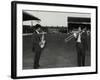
{"x": 84, "y": 40}
{"x": 35, "y": 42}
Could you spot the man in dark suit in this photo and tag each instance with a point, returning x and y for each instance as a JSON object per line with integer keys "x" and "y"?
{"x": 81, "y": 46}
{"x": 36, "y": 45}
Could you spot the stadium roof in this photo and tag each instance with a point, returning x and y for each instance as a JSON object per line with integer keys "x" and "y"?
{"x": 79, "y": 19}
{"x": 27, "y": 16}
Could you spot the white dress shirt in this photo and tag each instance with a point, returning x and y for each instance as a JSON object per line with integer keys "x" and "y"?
{"x": 79, "y": 38}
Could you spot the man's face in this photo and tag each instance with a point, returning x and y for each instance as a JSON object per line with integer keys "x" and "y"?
{"x": 79, "y": 28}
{"x": 39, "y": 29}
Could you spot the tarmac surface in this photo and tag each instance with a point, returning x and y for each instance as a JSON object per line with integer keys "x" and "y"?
{"x": 57, "y": 53}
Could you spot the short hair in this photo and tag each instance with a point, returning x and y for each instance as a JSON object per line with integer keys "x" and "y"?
{"x": 37, "y": 26}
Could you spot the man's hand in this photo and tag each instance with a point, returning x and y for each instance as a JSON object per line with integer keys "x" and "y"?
{"x": 42, "y": 43}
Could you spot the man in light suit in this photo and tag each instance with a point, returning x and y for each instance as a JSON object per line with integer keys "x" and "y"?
{"x": 81, "y": 46}
{"x": 36, "y": 39}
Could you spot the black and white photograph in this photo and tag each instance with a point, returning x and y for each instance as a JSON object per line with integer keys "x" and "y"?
{"x": 56, "y": 39}
{"x": 53, "y": 39}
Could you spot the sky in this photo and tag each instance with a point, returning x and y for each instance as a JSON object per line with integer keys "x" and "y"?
{"x": 49, "y": 18}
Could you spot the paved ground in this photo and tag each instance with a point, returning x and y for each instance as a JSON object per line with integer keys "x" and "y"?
{"x": 57, "y": 53}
